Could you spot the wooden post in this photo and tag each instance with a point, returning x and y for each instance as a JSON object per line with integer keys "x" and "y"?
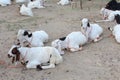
{"x": 81, "y": 4}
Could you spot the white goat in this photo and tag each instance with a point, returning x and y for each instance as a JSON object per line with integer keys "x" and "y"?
{"x": 36, "y": 56}
{"x": 63, "y": 2}
{"x": 92, "y": 31}
{"x": 26, "y": 10}
{"x": 73, "y": 42}
{"x": 35, "y": 39}
{"x": 105, "y": 13}
{"x": 108, "y": 15}
{"x": 116, "y": 29}
{"x": 5, "y": 2}
{"x": 116, "y": 32}
{"x": 36, "y": 4}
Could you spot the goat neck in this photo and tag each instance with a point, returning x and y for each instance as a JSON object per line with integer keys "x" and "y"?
{"x": 23, "y": 51}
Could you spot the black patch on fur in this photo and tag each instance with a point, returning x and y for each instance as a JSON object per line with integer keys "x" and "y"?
{"x": 18, "y": 44}
{"x": 9, "y": 56}
{"x": 16, "y": 53}
{"x": 65, "y": 48}
{"x": 108, "y": 28}
{"x": 30, "y": 35}
{"x": 38, "y": 67}
{"x": 117, "y": 18}
{"x": 50, "y": 57}
{"x": 13, "y": 59}
{"x": 62, "y": 39}
{"x": 27, "y": 34}
{"x": 113, "y": 5}
{"x": 88, "y": 24}
{"x": 24, "y": 63}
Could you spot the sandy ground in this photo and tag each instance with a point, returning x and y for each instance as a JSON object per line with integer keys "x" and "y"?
{"x": 97, "y": 61}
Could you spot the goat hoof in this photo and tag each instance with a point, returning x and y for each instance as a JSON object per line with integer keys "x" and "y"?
{"x": 80, "y": 48}
{"x": 72, "y": 50}
{"x": 95, "y": 40}
{"x": 39, "y": 68}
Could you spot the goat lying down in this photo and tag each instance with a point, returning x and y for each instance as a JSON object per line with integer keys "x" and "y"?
{"x": 26, "y": 11}
{"x": 72, "y": 41}
{"x": 113, "y": 5}
{"x": 116, "y": 32}
{"x": 36, "y": 56}
{"x": 5, "y": 2}
{"x": 92, "y": 31}
{"x": 35, "y": 39}
{"x": 63, "y": 2}
{"x": 116, "y": 29}
{"x": 108, "y": 15}
{"x": 105, "y": 13}
{"x": 36, "y": 4}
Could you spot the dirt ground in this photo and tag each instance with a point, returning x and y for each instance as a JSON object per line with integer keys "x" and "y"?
{"x": 97, "y": 61}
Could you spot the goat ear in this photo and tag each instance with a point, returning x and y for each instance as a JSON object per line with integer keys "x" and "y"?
{"x": 13, "y": 59}
{"x": 25, "y": 33}
{"x": 14, "y": 51}
{"x": 62, "y": 39}
{"x": 88, "y": 24}
{"x": 18, "y": 56}
{"x": 17, "y": 53}
{"x": 30, "y": 35}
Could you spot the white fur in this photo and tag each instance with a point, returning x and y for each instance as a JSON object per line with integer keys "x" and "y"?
{"x": 108, "y": 15}
{"x": 36, "y": 4}
{"x": 72, "y": 42}
{"x": 37, "y": 40}
{"x": 116, "y": 32}
{"x": 105, "y": 13}
{"x": 93, "y": 31}
{"x": 39, "y": 55}
{"x": 63, "y": 2}
{"x": 5, "y": 2}
{"x": 26, "y": 10}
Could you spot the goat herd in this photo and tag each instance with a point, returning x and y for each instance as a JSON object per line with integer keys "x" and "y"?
{"x": 27, "y": 10}
{"x": 29, "y": 47}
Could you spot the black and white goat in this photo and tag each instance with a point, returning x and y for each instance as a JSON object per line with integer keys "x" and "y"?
{"x": 108, "y": 15}
{"x": 72, "y": 42}
{"x": 5, "y": 2}
{"x": 35, "y": 39}
{"x": 92, "y": 31}
{"x": 113, "y": 5}
{"x": 24, "y": 10}
{"x": 36, "y": 4}
{"x": 36, "y": 56}
{"x": 116, "y": 29}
